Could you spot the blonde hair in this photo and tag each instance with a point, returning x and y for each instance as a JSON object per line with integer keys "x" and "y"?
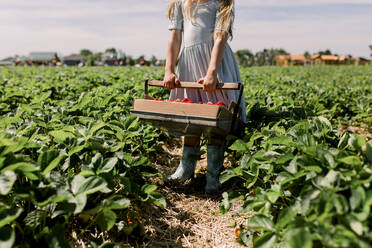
{"x": 225, "y": 13}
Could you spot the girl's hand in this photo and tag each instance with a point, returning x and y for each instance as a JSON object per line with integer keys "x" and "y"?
{"x": 209, "y": 82}
{"x": 171, "y": 81}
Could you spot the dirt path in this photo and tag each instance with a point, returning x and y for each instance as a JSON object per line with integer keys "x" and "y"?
{"x": 192, "y": 218}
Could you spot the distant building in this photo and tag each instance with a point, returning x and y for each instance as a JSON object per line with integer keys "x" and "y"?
{"x": 6, "y": 63}
{"x": 74, "y": 60}
{"x": 291, "y": 60}
{"x": 364, "y": 61}
{"x": 114, "y": 59}
{"x": 44, "y": 58}
{"x": 318, "y": 59}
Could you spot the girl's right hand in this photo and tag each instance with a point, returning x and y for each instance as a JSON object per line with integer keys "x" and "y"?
{"x": 171, "y": 81}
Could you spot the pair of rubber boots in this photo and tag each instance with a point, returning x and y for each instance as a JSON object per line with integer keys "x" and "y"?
{"x": 186, "y": 168}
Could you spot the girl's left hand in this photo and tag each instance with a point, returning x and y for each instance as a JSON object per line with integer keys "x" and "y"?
{"x": 209, "y": 82}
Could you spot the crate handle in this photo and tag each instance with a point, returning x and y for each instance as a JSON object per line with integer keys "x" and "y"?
{"x": 192, "y": 85}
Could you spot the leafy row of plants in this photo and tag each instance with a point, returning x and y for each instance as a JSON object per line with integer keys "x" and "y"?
{"x": 73, "y": 164}
{"x": 308, "y": 184}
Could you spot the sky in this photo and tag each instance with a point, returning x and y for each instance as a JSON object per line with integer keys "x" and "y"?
{"x": 139, "y": 27}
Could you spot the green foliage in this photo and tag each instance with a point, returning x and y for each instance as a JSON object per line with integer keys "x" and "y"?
{"x": 308, "y": 184}
{"x": 71, "y": 157}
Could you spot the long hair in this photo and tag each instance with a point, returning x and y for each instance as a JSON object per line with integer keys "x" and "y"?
{"x": 225, "y": 13}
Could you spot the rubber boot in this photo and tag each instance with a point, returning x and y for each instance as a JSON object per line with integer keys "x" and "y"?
{"x": 186, "y": 167}
{"x": 215, "y": 158}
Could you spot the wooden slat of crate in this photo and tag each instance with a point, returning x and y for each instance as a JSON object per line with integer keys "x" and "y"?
{"x": 186, "y": 125}
{"x": 177, "y": 108}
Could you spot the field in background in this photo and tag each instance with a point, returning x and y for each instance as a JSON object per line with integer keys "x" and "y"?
{"x": 75, "y": 167}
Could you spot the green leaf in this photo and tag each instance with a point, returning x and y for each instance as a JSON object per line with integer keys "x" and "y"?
{"x": 34, "y": 218}
{"x": 284, "y": 158}
{"x": 355, "y": 225}
{"x": 299, "y": 237}
{"x": 88, "y": 185}
{"x": 282, "y": 140}
{"x": 272, "y": 196}
{"x": 351, "y": 160}
{"x": 314, "y": 168}
{"x": 292, "y": 167}
{"x": 96, "y": 128}
{"x": 54, "y": 163}
{"x": 7, "y": 179}
{"x": 158, "y": 199}
{"x": 239, "y": 146}
{"x": 267, "y": 240}
{"x": 229, "y": 173}
{"x": 46, "y": 157}
{"x": 148, "y": 189}
{"x": 80, "y": 200}
{"x": 358, "y": 196}
{"x": 357, "y": 142}
{"x": 7, "y": 216}
{"x": 286, "y": 216}
{"x": 106, "y": 219}
{"x": 21, "y": 167}
{"x": 260, "y": 223}
{"x": 107, "y": 165}
{"x": 120, "y": 203}
{"x": 60, "y": 135}
{"x": 7, "y": 237}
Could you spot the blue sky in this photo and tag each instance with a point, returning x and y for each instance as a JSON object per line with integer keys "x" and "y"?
{"x": 140, "y": 26}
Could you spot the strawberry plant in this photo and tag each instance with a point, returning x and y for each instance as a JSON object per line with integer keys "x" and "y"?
{"x": 72, "y": 160}
{"x": 308, "y": 184}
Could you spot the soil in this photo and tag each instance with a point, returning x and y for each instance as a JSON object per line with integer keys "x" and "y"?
{"x": 191, "y": 218}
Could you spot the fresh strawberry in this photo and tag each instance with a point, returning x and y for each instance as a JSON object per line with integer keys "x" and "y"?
{"x": 186, "y": 100}
{"x": 171, "y": 100}
{"x": 201, "y": 102}
{"x": 220, "y": 104}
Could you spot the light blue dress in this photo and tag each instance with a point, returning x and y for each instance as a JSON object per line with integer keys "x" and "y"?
{"x": 194, "y": 58}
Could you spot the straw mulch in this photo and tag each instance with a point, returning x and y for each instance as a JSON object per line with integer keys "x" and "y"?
{"x": 191, "y": 218}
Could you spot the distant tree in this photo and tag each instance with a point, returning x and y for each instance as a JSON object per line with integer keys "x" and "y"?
{"x": 85, "y": 52}
{"x": 110, "y": 50}
{"x": 307, "y": 54}
{"x": 130, "y": 61}
{"x": 370, "y": 47}
{"x": 244, "y": 57}
{"x": 90, "y": 60}
{"x": 97, "y": 56}
{"x": 153, "y": 60}
{"x": 325, "y": 52}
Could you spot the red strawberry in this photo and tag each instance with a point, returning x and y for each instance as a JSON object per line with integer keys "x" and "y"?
{"x": 201, "y": 102}
{"x": 156, "y": 99}
{"x": 220, "y": 104}
{"x": 186, "y": 100}
{"x": 171, "y": 100}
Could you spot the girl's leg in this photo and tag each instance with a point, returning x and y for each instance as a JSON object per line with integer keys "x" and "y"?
{"x": 190, "y": 154}
{"x": 215, "y": 158}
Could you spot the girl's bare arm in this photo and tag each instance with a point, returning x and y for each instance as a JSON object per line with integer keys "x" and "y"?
{"x": 174, "y": 46}
{"x": 210, "y": 79}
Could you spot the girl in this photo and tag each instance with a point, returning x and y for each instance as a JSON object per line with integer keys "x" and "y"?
{"x": 203, "y": 26}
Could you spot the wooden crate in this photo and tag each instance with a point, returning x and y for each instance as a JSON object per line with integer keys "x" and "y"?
{"x": 186, "y": 119}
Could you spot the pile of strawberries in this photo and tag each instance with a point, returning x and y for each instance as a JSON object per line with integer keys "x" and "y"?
{"x": 187, "y": 100}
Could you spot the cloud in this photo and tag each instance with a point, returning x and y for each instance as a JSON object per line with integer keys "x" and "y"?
{"x": 140, "y": 27}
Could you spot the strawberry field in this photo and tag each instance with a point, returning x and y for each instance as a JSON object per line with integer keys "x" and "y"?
{"x": 75, "y": 166}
